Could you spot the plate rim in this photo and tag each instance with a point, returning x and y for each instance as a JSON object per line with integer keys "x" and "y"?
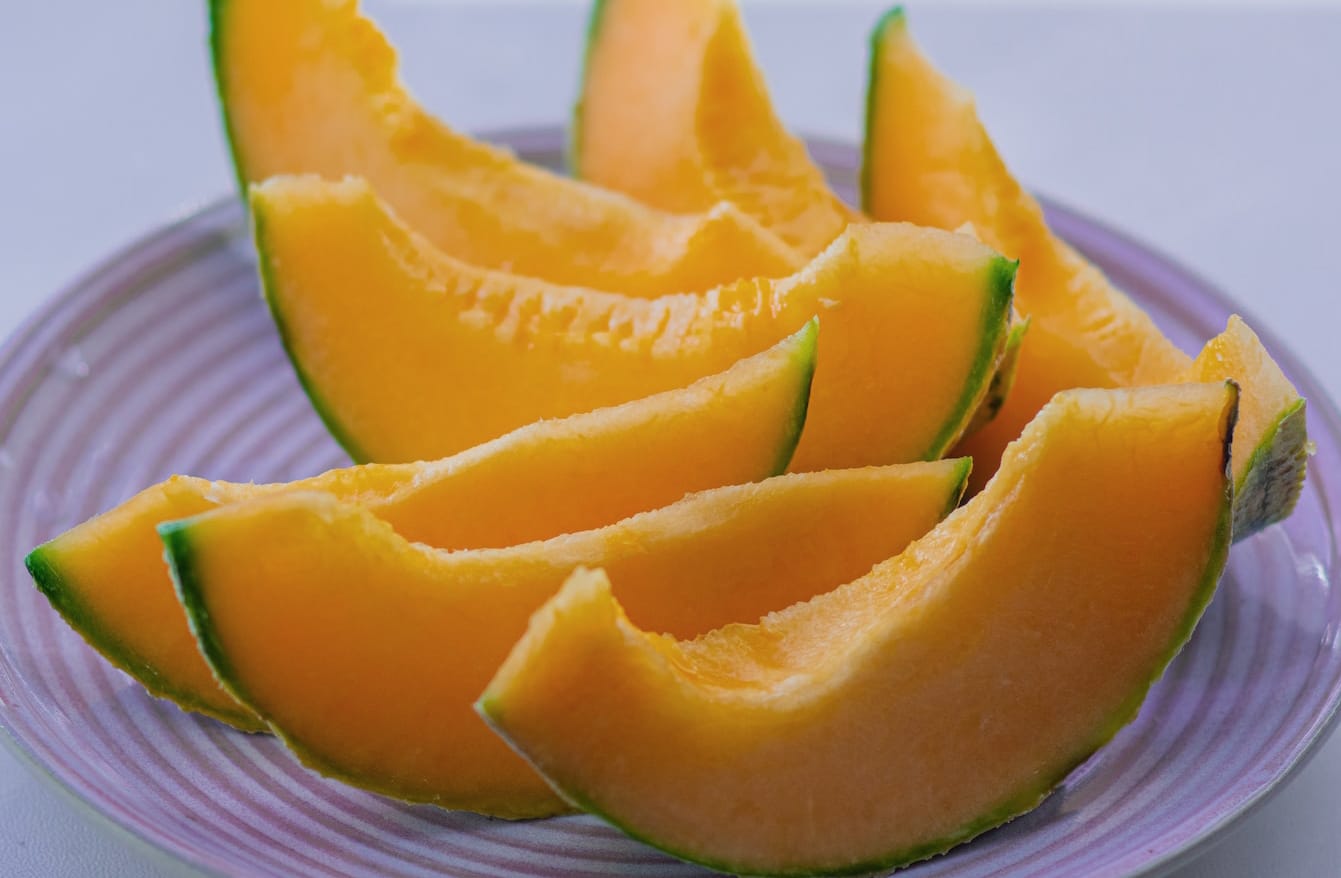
{"x": 222, "y": 214}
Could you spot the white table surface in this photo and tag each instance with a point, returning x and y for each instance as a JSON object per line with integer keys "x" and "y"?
{"x": 1213, "y": 133}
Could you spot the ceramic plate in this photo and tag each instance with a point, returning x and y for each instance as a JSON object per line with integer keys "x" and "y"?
{"x": 163, "y": 360}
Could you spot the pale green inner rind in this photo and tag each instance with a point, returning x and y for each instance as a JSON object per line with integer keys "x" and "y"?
{"x": 64, "y": 598}
{"x": 995, "y": 327}
{"x": 1271, "y": 485}
{"x": 573, "y": 147}
{"x": 890, "y": 18}
{"x": 957, "y": 488}
{"x": 804, "y": 358}
{"x": 1015, "y": 804}
{"x": 272, "y": 292}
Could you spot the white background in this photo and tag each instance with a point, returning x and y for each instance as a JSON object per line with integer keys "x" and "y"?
{"x": 1212, "y": 132}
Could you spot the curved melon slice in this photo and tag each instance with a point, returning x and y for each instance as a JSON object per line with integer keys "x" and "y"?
{"x": 309, "y": 86}
{"x": 675, "y": 112}
{"x": 365, "y": 651}
{"x": 106, "y": 576}
{"x": 1085, "y": 332}
{"x": 944, "y": 693}
{"x": 447, "y": 355}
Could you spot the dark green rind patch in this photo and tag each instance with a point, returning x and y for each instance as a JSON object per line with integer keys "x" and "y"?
{"x": 962, "y": 472}
{"x": 804, "y": 358}
{"x": 1003, "y": 380}
{"x": 995, "y": 327}
{"x": 1274, "y": 479}
{"x": 573, "y": 147}
{"x": 64, "y": 598}
{"x": 1018, "y": 803}
{"x": 893, "y": 17}
{"x": 217, "y": 20}
{"x": 271, "y": 292}
{"x": 180, "y": 557}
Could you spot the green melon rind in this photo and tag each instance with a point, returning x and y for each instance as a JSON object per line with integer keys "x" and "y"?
{"x": 192, "y": 591}
{"x": 1003, "y": 379}
{"x": 804, "y": 359}
{"x": 892, "y": 17}
{"x": 1274, "y": 479}
{"x": 995, "y": 329}
{"x": 64, "y": 598}
{"x": 573, "y": 147}
{"x": 1015, "y": 805}
{"x": 271, "y": 292}
{"x": 217, "y": 20}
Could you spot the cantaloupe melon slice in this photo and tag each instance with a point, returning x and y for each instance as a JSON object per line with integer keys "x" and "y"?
{"x": 928, "y": 160}
{"x": 410, "y": 354}
{"x": 107, "y": 579}
{"x": 675, "y": 112}
{"x": 310, "y": 86}
{"x": 944, "y": 693}
{"x": 366, "y": 651}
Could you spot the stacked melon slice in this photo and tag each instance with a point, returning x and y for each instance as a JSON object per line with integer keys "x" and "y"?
{"x": 572, "y": 404}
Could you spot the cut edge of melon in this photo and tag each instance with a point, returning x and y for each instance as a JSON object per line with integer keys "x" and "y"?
{"x": 806, "y": 356}
{"x": 892, "y": 17}
{"x": 995, "y": 335}
{"x": 269, "y": 286}
{"x": 52, "y": 583}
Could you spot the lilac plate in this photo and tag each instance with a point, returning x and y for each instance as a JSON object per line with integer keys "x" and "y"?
{"x": 163, "y": 360}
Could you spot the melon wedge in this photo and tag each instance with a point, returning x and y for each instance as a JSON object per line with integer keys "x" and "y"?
{"x": 1270, "y": 438}
{"x": 107, "y": 579}
{"x": 942, "y": 694}
{"x": 309, "y": 86}
{"x": 365, "y": 651}
{"x": 446, "y": 355}
{"x": 928, "y": 160}
{"x": 675, "y": 112}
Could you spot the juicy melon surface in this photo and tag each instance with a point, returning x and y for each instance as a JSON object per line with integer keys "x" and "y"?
{"x": 946, "y": 691}
{"x": 108, "y": 580}
{"x": 366, "y": 651}
{"x": 445, "y": 355}
{"x": 929, "y": 160}
{"x": 674, "y": 111}
{"x": 311, "y": 86}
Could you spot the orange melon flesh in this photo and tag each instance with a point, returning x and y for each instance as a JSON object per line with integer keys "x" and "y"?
{"x": 928, "y": 160}
{"x": 943, "y": 693}
{"x": 309, "y": 86}
{"x": 108, "y": 580}
{"x": 675, "y": 112}
{"x": 447, "y": 355}
{"x": 366, "y": 651}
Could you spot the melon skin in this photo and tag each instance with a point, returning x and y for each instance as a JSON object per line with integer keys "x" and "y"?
{"x": 757, "y": 688}
{"x": 1274, "y": 480}
{"x": 107, "y": 580}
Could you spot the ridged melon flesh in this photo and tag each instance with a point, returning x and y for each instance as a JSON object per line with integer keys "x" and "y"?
{"x": 410, "y": 354}
{"x": 675, "y": 112}
{"x": 107, "y": 579}
{"x": 366, "y": 651}
{"x": 940, "y": 695}
{"x": 929, "y": 161}
{"x": 310, "y": 86}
